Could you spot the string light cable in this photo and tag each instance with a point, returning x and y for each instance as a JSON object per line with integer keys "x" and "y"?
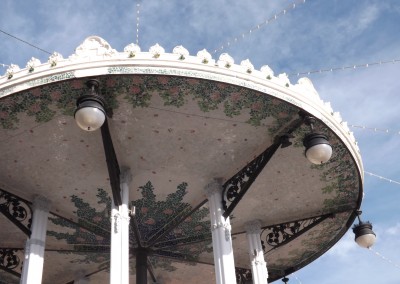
{"x": 375, "y": 129}
{"x": 137, "y": 21}
{"x": 385, "y": 258}
{"x": 381, "y": 177}
{"x": 295, "y": 277}
{"x": 292, "y": 6}
{"x": 349, "y": 67}
{"x": 24, "y": 41}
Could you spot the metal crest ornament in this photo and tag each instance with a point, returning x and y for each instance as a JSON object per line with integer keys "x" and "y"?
{"x": 17, "y": 210}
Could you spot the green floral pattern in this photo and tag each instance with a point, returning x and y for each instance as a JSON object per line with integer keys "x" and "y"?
{"x": 44, "y": 102}
{"x": 153, "y": 215}
{"x": 91, "y": 235}
{"x": 93, "y": 227}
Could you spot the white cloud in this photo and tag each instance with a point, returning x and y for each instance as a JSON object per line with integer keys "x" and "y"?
{"x": 394, "y": 231}
{"x": 357, "y": 22}
{"x": 345, "y": 247}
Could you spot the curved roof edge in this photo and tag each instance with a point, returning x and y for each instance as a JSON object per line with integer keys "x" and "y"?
{"x": 95, "y": 57}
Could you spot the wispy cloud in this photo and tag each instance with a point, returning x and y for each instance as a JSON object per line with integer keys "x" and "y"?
{"x": 394, "y": 231}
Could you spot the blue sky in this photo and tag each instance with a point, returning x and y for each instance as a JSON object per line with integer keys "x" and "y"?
{"x": 315, "y": 35}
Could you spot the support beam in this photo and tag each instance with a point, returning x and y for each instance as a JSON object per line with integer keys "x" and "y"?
{"x": 141, "y": 266}
{"x": 175, "y": 222}
{"x": 151, "y": 271}
{"x": 35, "y": 245}
{"x": 112, "y": 163}
{"x": 81, "y": 278}
{"x": 119, "y": 270}
{"x": 82, "y": 281}
{"x": 221, "y": 235}
{"x": 258, "y": 265}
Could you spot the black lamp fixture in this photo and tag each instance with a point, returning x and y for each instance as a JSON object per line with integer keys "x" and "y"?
{"x": 285, "y": 280}
{"x": 364, "y": 236}
{"x": 90, "y": 114}
{"x": 318, "y": 149}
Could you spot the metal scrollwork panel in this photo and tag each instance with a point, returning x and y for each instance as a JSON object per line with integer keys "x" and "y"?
{"x": 278, "y": 235}
{"x": 16, "y": 210}
{"x": 10, "y": 261}
{"x": 243, "y": 276}
{"x": 236, "y": 187}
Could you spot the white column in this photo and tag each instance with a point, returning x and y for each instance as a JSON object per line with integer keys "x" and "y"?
{"x": 35, "y": 245}
{"x": 126, "y": 179}
{"x": 115, "y": 253}
{"x": 119, "y": 267}
{"x": 221, "y": 236}
{"x": 258, "y": 265}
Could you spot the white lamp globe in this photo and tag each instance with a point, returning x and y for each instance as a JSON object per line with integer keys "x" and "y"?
{"x": 90, "y": 114}
{"x": 318, "y": 149}
{"x": 364, "y": 236}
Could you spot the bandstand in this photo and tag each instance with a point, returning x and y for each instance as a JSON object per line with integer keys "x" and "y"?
{"x": 191, "y": 170}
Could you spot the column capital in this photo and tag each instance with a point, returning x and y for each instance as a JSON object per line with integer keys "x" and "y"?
{"x": 253, "y": 227}
{"x": 27, "y": 248}
{"x": 213, "y": 187}
{"x": 125, "y": 175}
{"x": 41, "y": 203}
{"x": 36, "y": 242}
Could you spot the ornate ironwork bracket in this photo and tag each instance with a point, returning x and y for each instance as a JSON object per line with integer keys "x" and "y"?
{"x": 243, "y": 276}
{"x": 112, "y": 163}
{"x": 281, "y": 234}
{"x": 17, "y": 210}
{"x": 237, "y": 186}
{"x": 10, "y": 261}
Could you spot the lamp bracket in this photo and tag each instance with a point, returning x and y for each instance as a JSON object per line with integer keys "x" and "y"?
{"x": 309, "y": 120}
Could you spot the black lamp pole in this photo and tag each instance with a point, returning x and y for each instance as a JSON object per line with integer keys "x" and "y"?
{"x": 141, "y": 265}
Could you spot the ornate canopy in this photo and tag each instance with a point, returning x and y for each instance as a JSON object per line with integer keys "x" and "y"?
{"x": 178, "y": 122}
